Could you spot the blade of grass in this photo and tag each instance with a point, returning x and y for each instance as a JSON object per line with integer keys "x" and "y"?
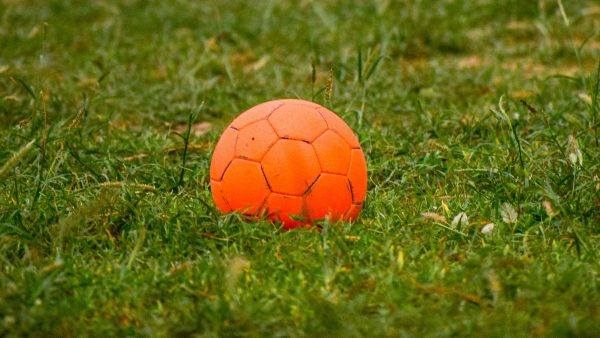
{"x": 186, "y": 140}
{"x": 595, "y": 103}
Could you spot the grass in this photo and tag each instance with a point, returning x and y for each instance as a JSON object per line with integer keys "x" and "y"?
{"x": 470, "y": 113}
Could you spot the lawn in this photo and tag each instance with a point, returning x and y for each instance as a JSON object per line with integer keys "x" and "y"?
{"x": 479, "y": 121}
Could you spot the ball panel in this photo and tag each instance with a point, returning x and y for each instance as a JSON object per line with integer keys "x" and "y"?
{"x": 333, "y": 153}
{"x": 357, "y": 174}
{"x": 336, "y": 123}
{"x": 353, "y": 213}
{"x": 254, "y": 140}
{"x": 298, "y": 122}
{"x": 281, "y": 207}
{"x": 255, "y": 113}
{"x": 330, "y": 195}
{"x": 217, "y": 195}
{"x": 290, "y": 167}
{"x": 223, "y": 154}
{"x": 244, "y": 186}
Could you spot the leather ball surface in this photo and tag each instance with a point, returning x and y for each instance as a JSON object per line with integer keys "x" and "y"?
{"x": 293, "y": 160}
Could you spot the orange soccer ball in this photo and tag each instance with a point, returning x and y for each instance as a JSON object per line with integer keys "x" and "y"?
{"x": 293, "y": 160}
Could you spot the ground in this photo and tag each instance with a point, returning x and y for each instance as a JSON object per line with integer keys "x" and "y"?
{"x": 479, "y": 121}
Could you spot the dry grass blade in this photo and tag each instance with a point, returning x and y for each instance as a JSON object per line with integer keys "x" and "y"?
{"x": 134, "y": 157}
{"x": 52, "y": 266}
{"x": 180, "y": 267}
{"x": 196, "y": 129}
{"x": 12, "y": 162}
{"x": 442, "y": 290}
{"x": 191, "y": 147}
{"x": 434, "y": 217}
{"x": 237, "y": 266}
{"x": 329, "y": 87}
{"x": 137, "y": 186}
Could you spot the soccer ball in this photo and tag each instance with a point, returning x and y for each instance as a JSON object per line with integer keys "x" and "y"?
{"x": 292, "y": 160}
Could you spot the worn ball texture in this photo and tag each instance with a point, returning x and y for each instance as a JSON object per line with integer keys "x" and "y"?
{"x": 293, "y": 160}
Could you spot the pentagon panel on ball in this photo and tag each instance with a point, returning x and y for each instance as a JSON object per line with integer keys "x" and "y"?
{"x": 298, "y": 121}
{"x": 291, "y": 167}
{"x": 292, "y": 160}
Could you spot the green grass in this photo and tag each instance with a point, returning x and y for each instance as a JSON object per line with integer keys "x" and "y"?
{"x": 487, "y": 108}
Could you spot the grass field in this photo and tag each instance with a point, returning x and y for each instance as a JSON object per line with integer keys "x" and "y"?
{"x": 479, "y": 121}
